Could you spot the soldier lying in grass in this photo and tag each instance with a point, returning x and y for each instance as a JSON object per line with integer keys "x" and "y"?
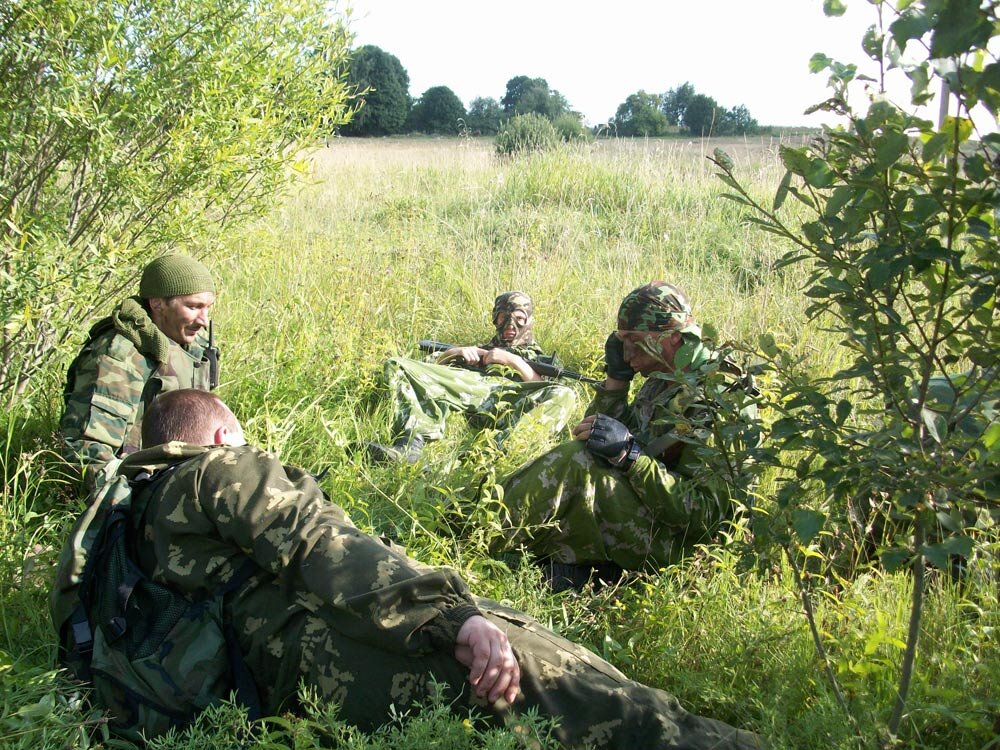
{"x": 353, "y": 617}
{"x": 502, "y": 393}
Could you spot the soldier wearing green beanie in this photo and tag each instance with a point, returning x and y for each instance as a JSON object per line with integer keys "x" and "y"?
{"x": 151, "y": 343}
{"x": 631, "y": 492}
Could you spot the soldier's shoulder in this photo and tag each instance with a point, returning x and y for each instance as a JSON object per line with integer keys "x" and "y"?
{"x": 108, "y": 342}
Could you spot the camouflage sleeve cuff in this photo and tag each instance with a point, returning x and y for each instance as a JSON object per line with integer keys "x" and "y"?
{"x": 608, "y": 401}
{"x": 443, "y": 630}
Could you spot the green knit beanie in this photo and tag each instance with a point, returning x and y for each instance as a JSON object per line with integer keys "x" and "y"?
{"x": 175, "y": 276}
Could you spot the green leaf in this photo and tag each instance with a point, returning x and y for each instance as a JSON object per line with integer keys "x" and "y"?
{"x": 977, "y": 169}
{"x": 782, "y": 192}
{"x": 729, "y": 180}
{"x": 795, "y": 160}
{"x": 939, "y": 555}
{"x": 819, "y": 174}
{"x": 819, "y": 62}
{"x": 962, "y": 126}
{"x": 991, "y": 437}
{"x": 840, "y": 197}
{"x": 807, "y": 524}
{"x": 877, "y": 275}
{"x": 871, "y": 43}
{"x": 895, "y": 559}
{"x": 935, "y": 424}
{"x": 843, "y": 410}
{"x": 723, "y": 159}
{"x": 920, "y": 81}
{"x": 889, "y": 148}
{"x": 910, "y": 25}
{"x": 961, "y": 26}
{"x": 833, "y": 8}
{"x": 988, "y": 87}
{"x": 767, "y": 345}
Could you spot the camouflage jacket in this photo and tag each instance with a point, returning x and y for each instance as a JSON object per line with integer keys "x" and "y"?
{"x": 676, "y": 418}
{"x": 221, "y": 505}
{"x": 528, "y": 352}
{"x": 109, "y": 385}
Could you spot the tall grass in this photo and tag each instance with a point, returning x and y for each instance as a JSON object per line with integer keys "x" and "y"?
{"x": 401, "y": 239}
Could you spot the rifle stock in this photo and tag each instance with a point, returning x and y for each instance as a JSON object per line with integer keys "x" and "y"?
{"x": 543, "y": 369}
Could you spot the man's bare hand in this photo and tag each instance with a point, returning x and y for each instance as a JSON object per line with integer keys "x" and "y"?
{"x": 493, "y": 669}
{"x": 471, "y": 355}
{"x": 511, "y": 360}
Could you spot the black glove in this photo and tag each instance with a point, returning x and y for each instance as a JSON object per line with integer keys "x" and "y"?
{"x": 610, "y": 440}
{"x": 614, "y": 359}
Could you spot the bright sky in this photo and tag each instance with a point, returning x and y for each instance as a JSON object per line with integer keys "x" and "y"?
{"x": 750, "y": 52}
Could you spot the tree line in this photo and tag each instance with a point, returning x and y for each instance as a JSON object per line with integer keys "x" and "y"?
{"x": 383, "y": 85}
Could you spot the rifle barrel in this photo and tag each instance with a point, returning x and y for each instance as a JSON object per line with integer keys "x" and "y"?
{"x": 543, "y": 369}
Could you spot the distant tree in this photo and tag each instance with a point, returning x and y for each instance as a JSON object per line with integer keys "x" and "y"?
{"x": 516, "y": 88}
{"x": 387, "y": 99}
{"x": 439, "y": 110}
{"x": 739, "y": 121}
{"x": 525, "y": 95}
{"x": 569, "y": 126}
{"x": 675, "y": 103}
{"x": 703, "y": 116}
{"x": 485, "y": 116}
{"x": 640, "y": 114}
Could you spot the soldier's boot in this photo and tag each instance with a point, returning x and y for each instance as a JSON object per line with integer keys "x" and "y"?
{"x": 575, "y": 576}
{"x": 404, "y": 449}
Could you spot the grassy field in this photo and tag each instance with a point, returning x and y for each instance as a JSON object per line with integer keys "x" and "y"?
{"x": 396, "y": 240}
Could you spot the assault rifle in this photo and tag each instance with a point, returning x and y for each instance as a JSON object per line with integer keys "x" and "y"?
{"x": 212, "y": 355}
{"x": 542, "y": 368}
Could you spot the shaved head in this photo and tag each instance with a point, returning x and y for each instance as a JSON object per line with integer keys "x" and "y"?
{"x": 189, "y": 416}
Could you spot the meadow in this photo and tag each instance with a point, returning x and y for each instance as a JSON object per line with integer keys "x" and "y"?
{"x": 385, "y": 242}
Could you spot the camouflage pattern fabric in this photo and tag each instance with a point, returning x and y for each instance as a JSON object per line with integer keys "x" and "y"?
{"x": 424, "y": 394}
{"x": 569, "y": 506}
{"x": 356, "y": 619}
{"x": 108, "y": 387}
{"x": 656, "y": 306}
{"x": 506, "y": 305}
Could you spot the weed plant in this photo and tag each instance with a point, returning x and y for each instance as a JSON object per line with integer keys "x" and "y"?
{"x": 402, "y": 239}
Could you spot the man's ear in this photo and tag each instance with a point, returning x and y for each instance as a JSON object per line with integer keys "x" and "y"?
{"x": 220, "y": 435}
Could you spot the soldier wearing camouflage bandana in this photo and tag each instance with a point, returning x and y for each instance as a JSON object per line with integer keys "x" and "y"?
{"x": 151, "y": 343}
{"x": 425, "y": 393}
{"x": 354, "y": 618}
{"x": 631, "y": 491}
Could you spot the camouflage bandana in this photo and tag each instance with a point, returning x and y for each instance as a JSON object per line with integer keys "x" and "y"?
{"x": 657, "y": 306}
{"x": 504, "y": 307}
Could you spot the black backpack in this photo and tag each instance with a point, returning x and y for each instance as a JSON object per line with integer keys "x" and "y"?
{"x": 155, "y": 656}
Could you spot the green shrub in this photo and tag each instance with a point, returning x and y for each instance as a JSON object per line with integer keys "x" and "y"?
{"x": 570, "y": 128}
{"x": 120, "y": 142}
{"x": 524, "y": 134}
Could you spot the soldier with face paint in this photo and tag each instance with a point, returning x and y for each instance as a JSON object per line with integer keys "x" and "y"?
{"x": 500, "y": 392}
{"x": 630, "y": 491}
{"x": 351, "y": 617}
{"x": 151, "y": 343}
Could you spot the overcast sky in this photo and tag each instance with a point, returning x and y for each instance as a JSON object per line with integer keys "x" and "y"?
{"x": 750, "y": 52}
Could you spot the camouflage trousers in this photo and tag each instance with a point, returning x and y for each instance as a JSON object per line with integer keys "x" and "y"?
{"x": 424, "y": 394}
{"x": 570, "y": 507}
{"x": 596, "y": 705}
